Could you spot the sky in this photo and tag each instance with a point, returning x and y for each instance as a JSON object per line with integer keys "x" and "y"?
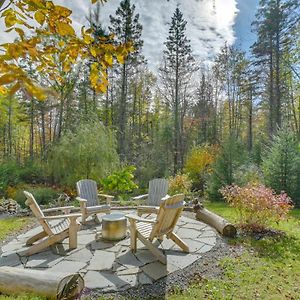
{"x": 211, "y": 23}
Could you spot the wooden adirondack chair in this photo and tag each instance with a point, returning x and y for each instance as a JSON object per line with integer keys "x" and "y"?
{"x": 51, "y": 234}
{"x": 89, "y": 199}
{"x": 146, "y": 230}
{"x": 158, "y": 188}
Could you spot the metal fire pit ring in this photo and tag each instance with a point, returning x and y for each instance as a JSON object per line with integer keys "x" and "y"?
{"x": 114, "y": 227}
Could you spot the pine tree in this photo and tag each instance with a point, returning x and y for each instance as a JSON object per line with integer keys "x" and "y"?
{"x": 275, "y": 23}
{"x": 281, "y": 164}
{"x": 231, "y": 156}
{"x": 127, "y": 28}
{"x": 178, "y": 66}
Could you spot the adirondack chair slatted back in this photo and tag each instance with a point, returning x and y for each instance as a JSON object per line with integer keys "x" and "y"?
{"x": 158, "y": 188}
{"x": 31, "y": 202}
{"x": 168, "y": 215}
{"x": 87, "y": 189}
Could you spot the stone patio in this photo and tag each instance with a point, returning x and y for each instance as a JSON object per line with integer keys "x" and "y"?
{"x": 111, "y": 266}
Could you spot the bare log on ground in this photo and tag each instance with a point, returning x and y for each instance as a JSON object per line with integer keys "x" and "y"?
{"x": 215, "y": 221}
{"x": 14, "y": 281}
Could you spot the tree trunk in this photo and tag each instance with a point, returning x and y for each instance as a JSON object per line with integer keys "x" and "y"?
{"x": 122, "y": 115}
{"x": 31, "y": 143}
{"x": 176, "y": 116}
{"x": 271, "y": 92}
{"x": 250, "y": 121}
{"x": 14, "y": 281}
{"x": 215, "y": 221}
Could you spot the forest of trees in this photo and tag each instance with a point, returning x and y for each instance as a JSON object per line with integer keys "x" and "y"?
{"x": 241, "y": 112}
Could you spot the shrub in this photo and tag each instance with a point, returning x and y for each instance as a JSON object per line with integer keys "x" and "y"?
{"x": 89, "y": 152}
{"x": 281, "y": 164}
{"x": 120, "y": 181}
{"x": 257, "y": 205}
{"x": 13, "y": 174}
{"x": 43, "y": 195}
{"x": 9, "y": 176}
{"x": 198, "y": 165}
{"x": 180, "y": 183}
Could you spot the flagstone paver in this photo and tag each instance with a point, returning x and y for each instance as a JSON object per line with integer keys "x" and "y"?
{"x": 102, "y": 260}
{"x": 111, "y": 266}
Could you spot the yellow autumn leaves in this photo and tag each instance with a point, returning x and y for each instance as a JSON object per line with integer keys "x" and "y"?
{"x": 70, "y": 49}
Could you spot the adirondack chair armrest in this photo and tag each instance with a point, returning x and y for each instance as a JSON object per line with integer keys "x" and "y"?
{"x": 65, "y": 209}
{"x": 140, "y": 219}
{"x": 140, "y": 197}
{"x": 70, "y": 216}
{"x": 108, "y": 198}
{"x": 81, "y": 199}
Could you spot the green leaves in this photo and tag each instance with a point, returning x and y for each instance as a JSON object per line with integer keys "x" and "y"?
{"x": 120, "y": 181}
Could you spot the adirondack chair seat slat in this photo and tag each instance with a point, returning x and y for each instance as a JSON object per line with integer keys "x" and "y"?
{"x": 61, "y": 226}
{"x": 144, "y": 229}
{"x": 89, "y": 200}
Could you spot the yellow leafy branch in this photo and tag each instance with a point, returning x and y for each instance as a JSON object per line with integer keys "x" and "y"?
{"x": 54, "y": 20}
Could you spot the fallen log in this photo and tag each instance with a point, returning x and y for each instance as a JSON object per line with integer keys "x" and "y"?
{"x": 215, "y": 221}
{"x": 14, "y": 281}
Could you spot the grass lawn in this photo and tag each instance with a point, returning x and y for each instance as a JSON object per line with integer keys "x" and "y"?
{"x": 11, "y": 225}
{"x": 270, "y": 269}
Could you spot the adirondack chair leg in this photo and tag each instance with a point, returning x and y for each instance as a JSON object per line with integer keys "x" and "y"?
{"x": 35, "y": 238}
{"x": 46, "y": 243}
{"x": 73, "y": 233}
{"x": 83, "y": 212}
{"x": 177, "y": 240}
{"x": 133, "y": 235}
{"x": 154, "y": 250}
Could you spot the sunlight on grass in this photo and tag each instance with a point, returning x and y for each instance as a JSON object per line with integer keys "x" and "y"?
{"x": 11, "y": 225}
{"x": 21, "y": 297}
{"x": 270, "y": 271}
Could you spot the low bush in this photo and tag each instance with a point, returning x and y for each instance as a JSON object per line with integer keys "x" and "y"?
{"x": 180, "y": 183}
{"x": 257, "y": 205}
{"x": 120, "y": 182}
{"x": 13, "y": 174}
{"x": 43, "y": 195}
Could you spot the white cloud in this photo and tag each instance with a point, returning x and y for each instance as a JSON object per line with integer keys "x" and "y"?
{"x": 209, "y": 25}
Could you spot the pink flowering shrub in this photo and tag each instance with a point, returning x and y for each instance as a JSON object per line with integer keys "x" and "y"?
{"x": 257, "y": 205}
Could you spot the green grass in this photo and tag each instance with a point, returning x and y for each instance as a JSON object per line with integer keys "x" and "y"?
{"x": 22, "y": 297}
{"x": 270, "y": 269}
{"x": 11, "y": 225}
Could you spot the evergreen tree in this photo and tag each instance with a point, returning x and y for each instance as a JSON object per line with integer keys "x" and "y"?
{"x": 232, "y": 156}
{"x": 276, "y": 21}
{"x": 178, "y": 66}
{"x": 281, "y": 164}
{"x": 127, "y": 28}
